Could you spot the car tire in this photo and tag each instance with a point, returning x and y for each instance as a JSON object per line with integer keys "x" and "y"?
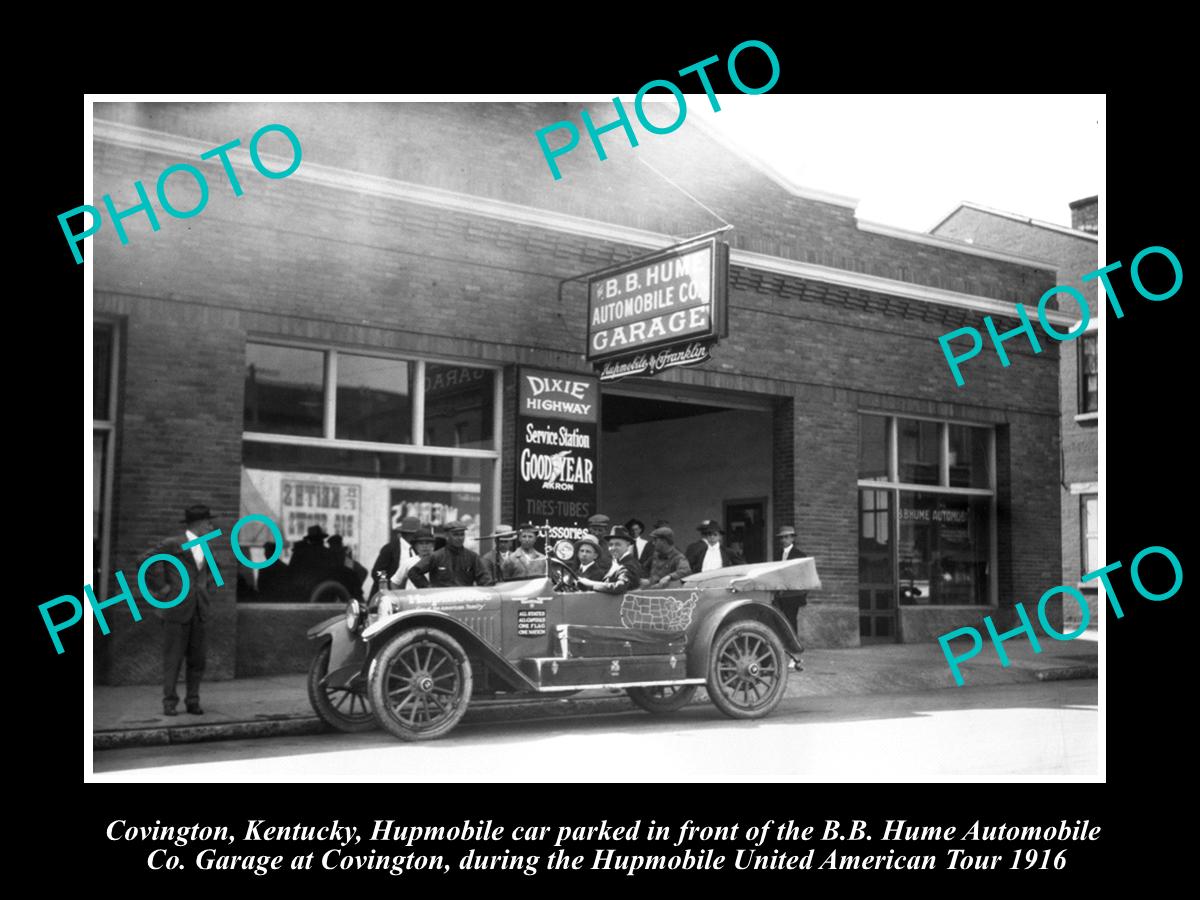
{"x": 341, "y": 709}
{"x": 747, "y": 670}
{"x": 329, "y": 591}
{"x": 663, "y": 698}
{"x": 420, "y": 684}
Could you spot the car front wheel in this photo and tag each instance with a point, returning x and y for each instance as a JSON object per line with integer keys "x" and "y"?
{"x": 420, "y": 684}
{"x": 747, "y": 670}
{"x": 341, "y": 708}
{"x": 662, "y": 698}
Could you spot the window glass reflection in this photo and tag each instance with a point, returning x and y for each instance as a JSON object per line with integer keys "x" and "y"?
{"x": 970, "y": 461}
{"x": 285, "y": 390}
{"x": 873, "y": 448}
{"x": 943, "y": 548}
{"x": 374, "y": 399}
{"x": 920, "y": 447}
{"x": 459, "y": 407}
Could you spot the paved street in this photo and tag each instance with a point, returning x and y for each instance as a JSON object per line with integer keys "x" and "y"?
{"x": 1040, "y": 728}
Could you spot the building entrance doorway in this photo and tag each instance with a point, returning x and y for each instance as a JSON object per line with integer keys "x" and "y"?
{"x": 668, "y": 456}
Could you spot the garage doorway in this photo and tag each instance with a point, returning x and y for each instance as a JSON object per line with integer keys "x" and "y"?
{"x": 665, "y": 455}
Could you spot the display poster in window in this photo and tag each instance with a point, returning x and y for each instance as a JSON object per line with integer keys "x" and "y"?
{"x": 433, "y": 505}
{"x": 556, "y": 462}
{"x": 658, "y": 312}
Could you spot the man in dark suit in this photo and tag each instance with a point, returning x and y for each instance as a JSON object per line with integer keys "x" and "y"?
{"x": 627, "y": 574}
{"x": 183, "y": 623}
{"x": 708, "y": 552}
{"x": 396, "y": 551}
{"x": 587, "y": 548}
{"x": 789, "y": 602}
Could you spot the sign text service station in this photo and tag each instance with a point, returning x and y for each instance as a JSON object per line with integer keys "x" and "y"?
{"x": 660, "y": 311}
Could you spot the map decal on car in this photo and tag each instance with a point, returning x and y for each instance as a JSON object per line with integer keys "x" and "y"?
{"x": 658, "y": 613}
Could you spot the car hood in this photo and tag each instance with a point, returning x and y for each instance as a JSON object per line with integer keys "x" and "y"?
{"x": 455, "y": 600}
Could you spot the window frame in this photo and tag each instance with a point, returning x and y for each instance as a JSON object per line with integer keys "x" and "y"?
{"x": 1081, "y": 409}
{"x": 1085, "y": 566}
{"x": 107, "y": 425}
{"x": 418, "y": 447}
{"x": 895, "y": 486}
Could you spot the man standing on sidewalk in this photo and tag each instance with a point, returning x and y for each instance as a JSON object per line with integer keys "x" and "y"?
{"x": 183, "y": 623}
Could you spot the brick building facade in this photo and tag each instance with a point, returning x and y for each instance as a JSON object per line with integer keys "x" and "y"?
{"x": 1073, "y": 253}
{"x": 430, "y": 239}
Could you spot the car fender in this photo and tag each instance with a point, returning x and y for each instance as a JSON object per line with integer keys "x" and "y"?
{"x": 346, "y": 651}
{"x": 379, "y": 634}
{"x": 701, "y": 643}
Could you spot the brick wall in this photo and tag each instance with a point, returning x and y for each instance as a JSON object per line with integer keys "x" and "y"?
{"x": 295, "y": 260}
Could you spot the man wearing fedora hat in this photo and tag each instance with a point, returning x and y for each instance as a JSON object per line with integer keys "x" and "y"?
{"x": 625, "y": 574}
{"x": 709, "y": 552}
{"x": 789, "y": 602}
{"x": 496, "y": 559}
{"x": 397, "y": 555}
{"x": 183, "y": 625}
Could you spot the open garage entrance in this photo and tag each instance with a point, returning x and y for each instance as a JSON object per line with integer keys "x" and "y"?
{"x": 685, "y": 458}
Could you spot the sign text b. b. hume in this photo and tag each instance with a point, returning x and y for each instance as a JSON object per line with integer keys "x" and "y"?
{"x": 557, "y": 424}
{"x": 671, "y": 301}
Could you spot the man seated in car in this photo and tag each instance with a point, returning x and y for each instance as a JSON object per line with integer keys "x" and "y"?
{"x": 452, "y": 566}
{"x": 625, "y": 573}
{"x": 588, "y": 548}
{"x": 668, "y": 564}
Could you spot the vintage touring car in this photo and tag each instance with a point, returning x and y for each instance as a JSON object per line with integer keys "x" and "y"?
{"x": 411, "y": 660}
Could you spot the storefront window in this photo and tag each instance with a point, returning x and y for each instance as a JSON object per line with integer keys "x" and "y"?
{"x": 284, "y": 390}
{"x": 374, "y": 400}
{"x": 920, "y": 444}
{"x": 970, "y": 459}
{"x": 943, "y": 548}
{"x": 873, "y": 452}
{"x": 337, "y": 505}
{"x": 1089, "y": 376}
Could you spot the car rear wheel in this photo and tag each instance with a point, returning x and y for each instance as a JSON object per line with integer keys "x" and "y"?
{"x": 341, "y": 708}
{"x": 747, "y": 670}
{"x": 420, "y": 684}
{"x": 662, "y": 698}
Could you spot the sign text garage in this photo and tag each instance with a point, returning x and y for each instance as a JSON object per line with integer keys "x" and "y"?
{"x": 671, "y": 298}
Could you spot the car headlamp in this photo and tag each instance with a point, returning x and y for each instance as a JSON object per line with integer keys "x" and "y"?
{"x": 352, "y": 614}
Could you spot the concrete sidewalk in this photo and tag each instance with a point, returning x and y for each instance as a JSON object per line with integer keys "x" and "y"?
{"x": 129, "y": 716}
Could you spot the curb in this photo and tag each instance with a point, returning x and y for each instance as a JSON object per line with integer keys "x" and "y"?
{"x": 488, "y": 711}
{"x": 1065, "y": 673}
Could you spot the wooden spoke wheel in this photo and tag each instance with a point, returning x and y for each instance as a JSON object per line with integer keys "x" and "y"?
{"x": 420, "y": 684}
{"x": 747, "y": 670}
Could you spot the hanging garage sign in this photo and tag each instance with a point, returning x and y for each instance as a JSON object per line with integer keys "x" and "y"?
{"x": 660, "y": 311}
{"x": 557, "y": 423}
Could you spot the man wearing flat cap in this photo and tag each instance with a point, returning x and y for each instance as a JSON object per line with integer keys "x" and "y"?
{"x": 598, "y": 525}
{"x": 789, "y": 602}
{"x": 625, "y": 573}
{"x": 668, "y": 565}
{"x": 709, "y": 552}
{"x": 183, "y": 624}
{"x": 397, "y": 555}
{"x": 452, "y": 566}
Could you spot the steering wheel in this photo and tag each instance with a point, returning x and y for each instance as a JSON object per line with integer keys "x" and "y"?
{"x": 562, "y": 575}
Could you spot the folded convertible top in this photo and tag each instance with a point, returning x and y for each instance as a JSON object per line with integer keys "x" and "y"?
{"x": 787, "y": 575}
